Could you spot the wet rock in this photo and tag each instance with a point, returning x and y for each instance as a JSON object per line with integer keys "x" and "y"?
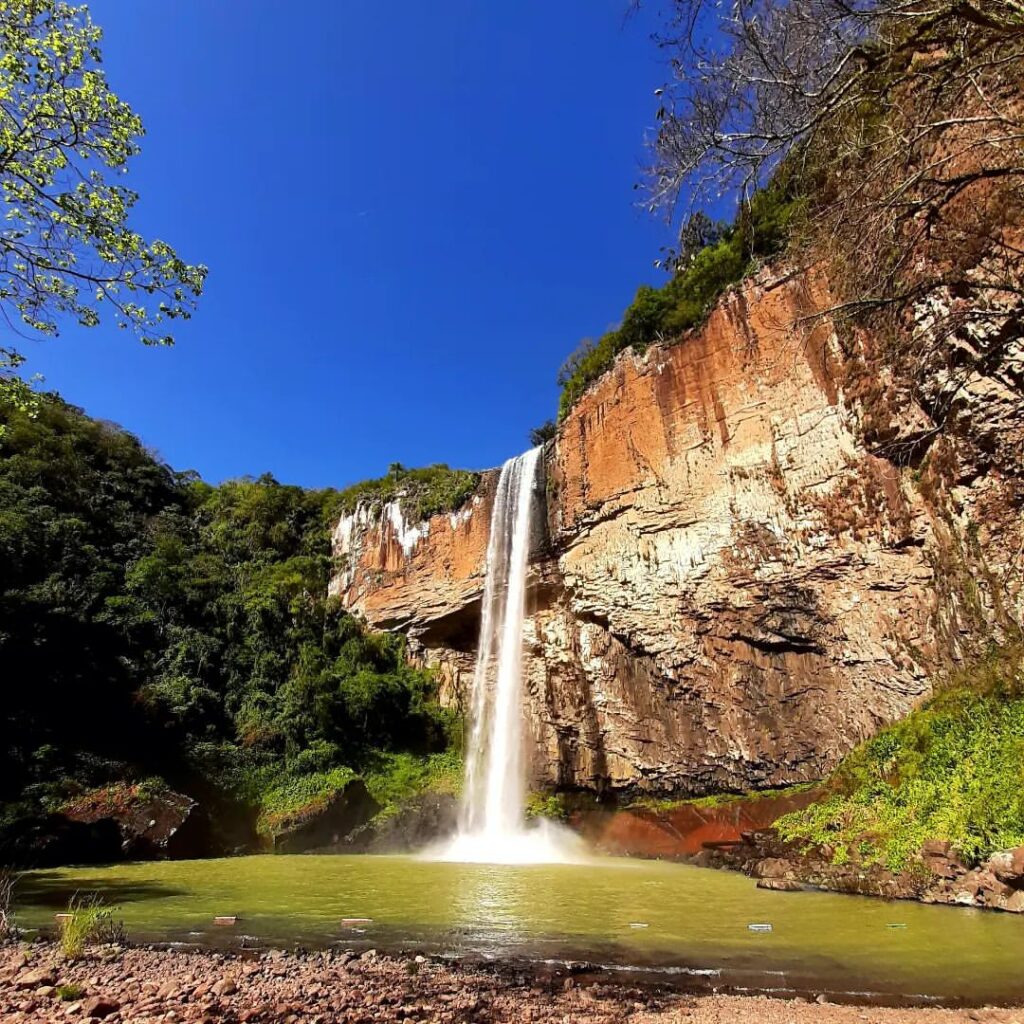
{"x": 419, "y": 822}
{"x": 779, "y": 884}
{"x": 325, "y": 825}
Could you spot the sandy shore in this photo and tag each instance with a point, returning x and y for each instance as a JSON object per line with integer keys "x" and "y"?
{"x": 140, "y": 986}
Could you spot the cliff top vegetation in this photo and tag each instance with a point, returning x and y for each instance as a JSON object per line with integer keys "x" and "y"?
{"x": 890, "y": 131}
{"x": 421, "y": 493}
{"x": 712, "y": 258}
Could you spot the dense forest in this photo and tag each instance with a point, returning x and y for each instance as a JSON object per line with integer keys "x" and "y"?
{"x": 160, "y": 630}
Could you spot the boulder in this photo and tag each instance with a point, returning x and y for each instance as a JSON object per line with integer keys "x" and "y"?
{"x": 100, "y": 1006}
{"x": 940, "y": 858}
{"x": 774, "y": 868}
{"x": 779, "y": 884}
{"x": 153, "y": 821}
{"x": 1008, "y": 866}
{"x": 323, "y": 823}
{"x": 418, "y": 822}
{"x": 37, "y": 977}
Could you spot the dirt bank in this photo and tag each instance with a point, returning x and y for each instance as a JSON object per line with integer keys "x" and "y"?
{"x": 141, "y": 986}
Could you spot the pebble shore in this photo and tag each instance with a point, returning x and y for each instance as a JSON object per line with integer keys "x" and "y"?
{"x": 145, "y": 986}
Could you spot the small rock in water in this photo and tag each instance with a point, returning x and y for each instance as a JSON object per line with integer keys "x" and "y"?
{"x": 351, "y": 922}
{"x": 638, "y": 924}
{"x": 779, "y": 884}
{"x": 759, "y": 927}
{"x": 226, "y": 920}
{"x": 895, "y": 926}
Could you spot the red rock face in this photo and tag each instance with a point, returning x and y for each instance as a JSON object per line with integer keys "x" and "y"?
{"x": 686, "y": 829}
{"x": 733, "y": 591}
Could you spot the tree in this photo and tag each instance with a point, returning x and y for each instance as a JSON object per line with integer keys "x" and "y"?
{"x": 66, "y": 248}
{"x": 904, "y": 122}
{"x": 544, "y": 433}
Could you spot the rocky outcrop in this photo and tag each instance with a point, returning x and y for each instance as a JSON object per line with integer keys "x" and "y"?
{"x": 152, "y": 822}
{"x": 418, "y": 822}
{"x": 121, "y": 821}
{"x": 678, "y": 831}
{"x": 320, "y": 823}
{"x": 737, "y": 578}
{"x": 936, "y": 875}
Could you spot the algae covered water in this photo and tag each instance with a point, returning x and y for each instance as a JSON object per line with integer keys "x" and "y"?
{"x": 670, "y": 921}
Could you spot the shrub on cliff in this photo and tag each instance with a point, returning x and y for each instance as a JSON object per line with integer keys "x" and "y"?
{"x": 421, "y": 493}
{"x": 907, "y": 117}
{"x": 702, "y": 274}
{"x": 952, "y": 770}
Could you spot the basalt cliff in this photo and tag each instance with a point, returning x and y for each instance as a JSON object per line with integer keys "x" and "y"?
{"x": 752, "y": 551}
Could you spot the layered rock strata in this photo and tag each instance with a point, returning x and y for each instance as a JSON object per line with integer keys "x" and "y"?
{"x": 732, "y": 587}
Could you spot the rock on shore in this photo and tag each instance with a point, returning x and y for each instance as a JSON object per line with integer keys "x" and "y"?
{"x": 144, "y": 986}
{"x": 937, "y": 875}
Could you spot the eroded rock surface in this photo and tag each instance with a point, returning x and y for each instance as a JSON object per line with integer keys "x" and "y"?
{"x": 735, "y": 582}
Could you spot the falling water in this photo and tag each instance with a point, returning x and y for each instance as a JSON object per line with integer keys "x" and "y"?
{"x": 492, "y": 828}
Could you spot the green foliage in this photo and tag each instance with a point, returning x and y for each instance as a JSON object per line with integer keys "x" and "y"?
{"x": 712, "y": 261}
{"x": 298, "y": 796}
{"x": 70, "y": 992}
{"x": 88, "y": 920}
{"x": 544, "y": 433}
{"x": 395, "y": 778}
{"x": 547, "y": 805}
{"x": 421, "y": 493}
{"x": 153, "y": 625}
{"x": 66, "y": 139}
{"x": 663, "y": 804}
{"x": 952, "y": 770}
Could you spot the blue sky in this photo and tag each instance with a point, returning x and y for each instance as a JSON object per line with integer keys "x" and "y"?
{"x": 411, "y": 212}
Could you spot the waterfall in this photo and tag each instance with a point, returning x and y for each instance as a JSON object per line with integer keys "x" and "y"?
{"x": 492, "y": 826}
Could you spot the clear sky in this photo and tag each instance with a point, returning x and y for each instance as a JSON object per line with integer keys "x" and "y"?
{"x": 411, "y": 212}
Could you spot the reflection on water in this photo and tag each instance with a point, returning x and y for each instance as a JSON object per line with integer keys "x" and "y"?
{"x": 624, "y": 914}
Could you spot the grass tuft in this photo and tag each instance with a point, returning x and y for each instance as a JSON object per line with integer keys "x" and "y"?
{"x": 88, "y": 920}
{"x": 8, "y": 881}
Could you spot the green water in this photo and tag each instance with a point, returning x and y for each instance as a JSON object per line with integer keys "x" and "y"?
{"x": 674, "y": 921}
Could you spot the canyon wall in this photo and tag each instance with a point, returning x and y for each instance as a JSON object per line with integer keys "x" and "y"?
{"x": 730, "y": 587}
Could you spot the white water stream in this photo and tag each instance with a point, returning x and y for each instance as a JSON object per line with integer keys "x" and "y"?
{"x": 493, "y": 827}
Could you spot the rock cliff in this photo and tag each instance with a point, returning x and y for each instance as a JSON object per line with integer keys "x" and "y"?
{"x": 735, "y": 581}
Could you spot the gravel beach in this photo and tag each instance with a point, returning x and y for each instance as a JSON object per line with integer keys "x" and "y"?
{"x": 143, "y": 985}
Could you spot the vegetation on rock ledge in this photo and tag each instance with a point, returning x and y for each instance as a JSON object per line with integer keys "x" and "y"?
{"x": 713, "y": 258}
{"x": 421, "y": 493}
{"x": 952, "y": 770}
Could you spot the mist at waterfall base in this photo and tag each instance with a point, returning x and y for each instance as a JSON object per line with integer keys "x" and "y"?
{"x": 492, "y": 826}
